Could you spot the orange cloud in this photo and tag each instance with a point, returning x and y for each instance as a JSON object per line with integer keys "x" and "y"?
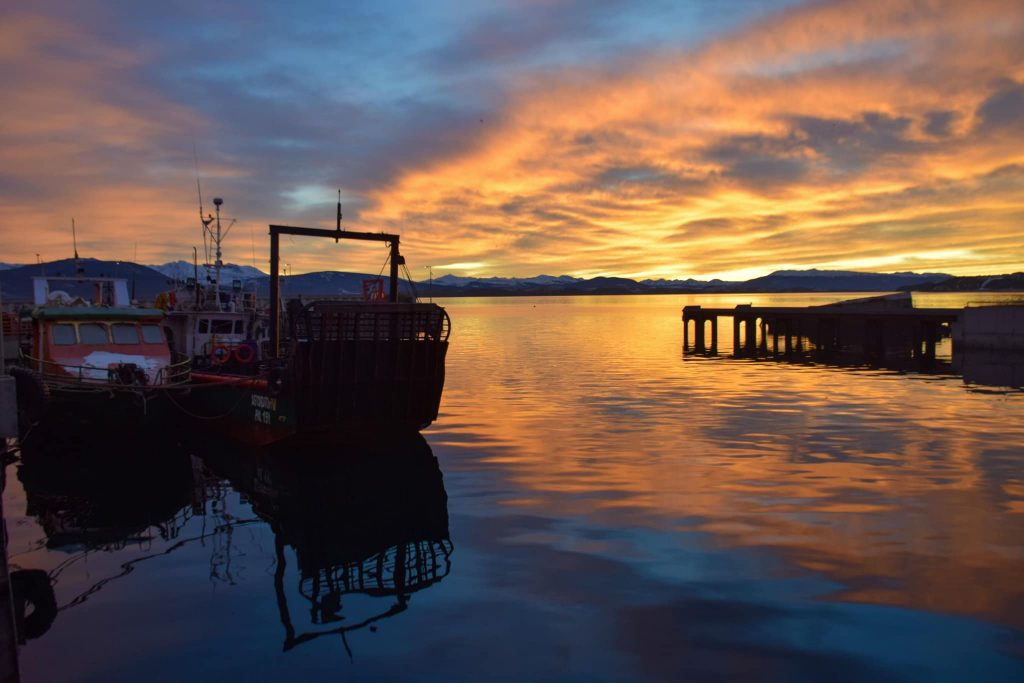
{"x": 828, "y": 135}
{"x": 78, "y": 138}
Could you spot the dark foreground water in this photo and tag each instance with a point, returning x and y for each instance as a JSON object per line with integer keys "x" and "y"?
{"x": 592, "y": 505}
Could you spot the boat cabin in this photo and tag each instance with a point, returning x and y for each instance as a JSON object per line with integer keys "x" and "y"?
{"x": 102, "y": 338}
{"x": 214, "y": 336}
{"x": 216, "y": 329}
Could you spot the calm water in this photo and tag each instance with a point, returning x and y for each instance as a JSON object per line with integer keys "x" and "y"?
{"x": 591, "y": 505}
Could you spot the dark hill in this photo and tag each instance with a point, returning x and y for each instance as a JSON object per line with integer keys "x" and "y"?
{"x": 1013, "y": 282}
{"x": 147, "y": 283}
{"x": 838, "y": 281}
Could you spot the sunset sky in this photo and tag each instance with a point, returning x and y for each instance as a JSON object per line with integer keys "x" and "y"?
{"x": 635, "y": 138}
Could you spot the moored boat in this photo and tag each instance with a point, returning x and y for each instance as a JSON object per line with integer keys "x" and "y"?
{"x": 89, "y": 349}
{"x": 324, "y": 370}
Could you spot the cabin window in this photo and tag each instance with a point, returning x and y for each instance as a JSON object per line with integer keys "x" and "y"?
{"x": 222, "y": 327}
{"x": 239, "y": 327}
{"x": 93, "y": 333}
{"x": 204, "y": 326}
{"x": 63, "y": 334}
{"x": 151, "y": 334}
{"x": 125, "y": 333}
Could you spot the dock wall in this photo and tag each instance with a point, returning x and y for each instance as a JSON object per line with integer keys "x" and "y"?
{"x": 990, "y": 328}
{"x": 8, "y": 633}
{"x": 8, "y": 407}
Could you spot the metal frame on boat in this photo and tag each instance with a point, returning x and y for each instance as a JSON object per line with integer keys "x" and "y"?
{"x": 328, "y": 368}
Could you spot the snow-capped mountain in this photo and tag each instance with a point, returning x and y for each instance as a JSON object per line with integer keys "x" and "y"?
{"x": 182, "y": 270}
{"x": 537, "y": 280}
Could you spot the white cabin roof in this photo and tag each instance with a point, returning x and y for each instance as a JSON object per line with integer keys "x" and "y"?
{"x": 108, "y": 291}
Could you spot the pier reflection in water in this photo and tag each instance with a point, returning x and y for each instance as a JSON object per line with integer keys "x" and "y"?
{"x": 976, "y": 368}
{"x": 116, "y": 529}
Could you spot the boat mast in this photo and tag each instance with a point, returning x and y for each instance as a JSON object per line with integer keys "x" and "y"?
{"x": 217, "y": 201}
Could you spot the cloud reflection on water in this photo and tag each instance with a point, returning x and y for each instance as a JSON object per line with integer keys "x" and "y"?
{"x": 867, "y": 486}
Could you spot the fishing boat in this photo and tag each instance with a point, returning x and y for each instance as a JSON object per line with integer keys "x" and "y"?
{"x": 90, "y": 350}
{"x": 317, "y": 369}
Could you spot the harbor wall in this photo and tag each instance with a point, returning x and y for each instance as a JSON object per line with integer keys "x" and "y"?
{"x": 8, "y": 407}
{"x": 990, "y": 328}
{"x": 8, "y": 633}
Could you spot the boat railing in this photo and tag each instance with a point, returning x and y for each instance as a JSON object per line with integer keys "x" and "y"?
{"x": 176, "y": 373}
{"x": 120, "y": 376}
{"x": 336, "y": 321}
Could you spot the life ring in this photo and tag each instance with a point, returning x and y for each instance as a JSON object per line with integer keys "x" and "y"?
{"x": 32, "y": 587}
{"x": 220, "y": 354}
{"x": 244, "y": 353}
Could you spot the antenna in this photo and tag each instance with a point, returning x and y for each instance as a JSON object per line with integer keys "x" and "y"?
{"x": 199, "y": 191}
{"x": 217, "y": 202}
{"x": 74, "y": 240}
{"x": 339, "y": 214}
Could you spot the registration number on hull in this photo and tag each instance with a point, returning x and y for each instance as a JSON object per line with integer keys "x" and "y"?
{"x": 264, "y": 408}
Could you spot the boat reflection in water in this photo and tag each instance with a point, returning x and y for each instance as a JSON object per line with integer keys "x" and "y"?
{"x": 90, "y": 493}
{"x": 366, "y": 525}
{"x": 365, "y": 520}
{"x": 93, "y": 492}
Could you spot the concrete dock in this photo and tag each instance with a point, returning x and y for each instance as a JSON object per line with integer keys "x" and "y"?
{"x": 990, "y": 328}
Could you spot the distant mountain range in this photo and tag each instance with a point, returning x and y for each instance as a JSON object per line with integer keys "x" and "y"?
{"x": 780, "y": 281}
{"x": 148, "y": 281}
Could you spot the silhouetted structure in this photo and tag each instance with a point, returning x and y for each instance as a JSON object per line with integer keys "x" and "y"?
{"x": 365, "y": 519}
{"x": 873, "y": 327}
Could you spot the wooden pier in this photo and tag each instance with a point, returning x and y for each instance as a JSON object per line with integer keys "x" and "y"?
{"x": 874, "y": 327}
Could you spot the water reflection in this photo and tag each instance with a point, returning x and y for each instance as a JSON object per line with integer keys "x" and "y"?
{"x": 989, "y": 368}
{"x": 92, "y": 492}
{"x": 368, "y": 519}
{"x": 355, "y": 531}
{"x": 983, "y": 368}
{"x": 885, "y": 489}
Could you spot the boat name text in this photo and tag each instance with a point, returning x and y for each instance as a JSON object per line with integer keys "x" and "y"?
{"x": 265, "y": 402}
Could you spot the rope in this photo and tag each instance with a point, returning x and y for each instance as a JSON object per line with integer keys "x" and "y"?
{"x": 381, "y": 273}
{"x": 170, "y": 397}
{"x": 129, "y": 567}
{"x": 412, "y": 285}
